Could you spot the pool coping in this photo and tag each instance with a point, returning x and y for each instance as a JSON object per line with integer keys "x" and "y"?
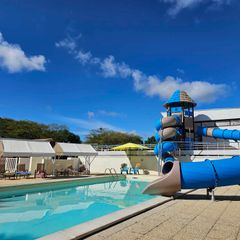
{"x": 89, "y": 228}
{"x": 58, "y": 183}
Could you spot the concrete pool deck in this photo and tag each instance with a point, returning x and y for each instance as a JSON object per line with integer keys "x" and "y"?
{"x": 190, "y": 217}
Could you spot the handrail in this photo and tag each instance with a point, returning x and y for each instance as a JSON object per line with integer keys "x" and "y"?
{"x": 114, "y": 173}
{"x": 105, "y": 172}
{"x": 114, "y": 170}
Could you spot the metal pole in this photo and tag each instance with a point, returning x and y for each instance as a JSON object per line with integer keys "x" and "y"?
{"x": 159, "y": 156}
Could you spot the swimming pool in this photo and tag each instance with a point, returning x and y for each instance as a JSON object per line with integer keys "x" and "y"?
{"x": 33, "y": 215}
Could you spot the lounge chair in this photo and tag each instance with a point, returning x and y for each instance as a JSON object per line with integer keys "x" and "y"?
{"x": 135, "y": 169}
{"x": 124, "y": 168}
{"x": 2, "y": 170}
{"x": 9, "y": 174}
{"x": 62, "y": 172}
{"x": 71, "y": 172}
{"x": 82, "y": 169}
{"x": 22, "y": 172}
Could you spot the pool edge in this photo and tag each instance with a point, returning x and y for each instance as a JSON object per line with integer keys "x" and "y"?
{"x": 58, "y": 183}
{"x": 89, "y": 228}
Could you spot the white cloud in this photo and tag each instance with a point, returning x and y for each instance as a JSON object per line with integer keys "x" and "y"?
{"x": 111, "y": 68}
{"x": 104, "y": 113}
{"x": 151, "y": 85}
{"x": 180, "y": 70}
{"x": 90, "y": 114}
{"x": 108, "y": 67}
{"x": 14, "y": 59}
{"x": 178, "y": 5}
{"x": 110, "y": 113}
{"x": 200, "y": 91}
{"x": 83, "y": 57}
{"x": 89, "y": 124}
{"x": 67, "y": 43}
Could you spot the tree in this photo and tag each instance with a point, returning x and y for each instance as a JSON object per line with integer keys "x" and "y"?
{"x": 10, "y": 128}
{"x": 151, "y": 140}
{"x": 109, "y": 137}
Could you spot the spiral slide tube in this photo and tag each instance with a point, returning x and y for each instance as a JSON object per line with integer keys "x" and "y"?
{"x": 189, "y": 175}
{"x": 167, "y": 128}
{"x": 219, "y": 133}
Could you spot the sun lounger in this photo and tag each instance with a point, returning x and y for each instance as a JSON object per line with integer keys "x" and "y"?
{"x": 2, "y": 170}
{"x": 9, "y": 175}
{"x": 135, "y": 169}
{"x": 124, "y": 168}
{"x": 22, "y": 172}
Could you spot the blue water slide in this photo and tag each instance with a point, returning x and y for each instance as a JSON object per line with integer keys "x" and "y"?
{"x": 193, "y": 175}
{"x": 197, "y": 175}
{"x": 165, "y": 147}
{"x": 210, "y": 173}
{"x": 219, "y": 133}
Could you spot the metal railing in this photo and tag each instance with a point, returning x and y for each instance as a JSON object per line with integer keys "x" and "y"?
{"x": 184, "y": 146}
{"x": 181, "y": 146}
{"x": 112, "y": 171}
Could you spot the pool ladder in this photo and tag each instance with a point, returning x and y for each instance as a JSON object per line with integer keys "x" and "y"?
{"x": 114, "y": 173}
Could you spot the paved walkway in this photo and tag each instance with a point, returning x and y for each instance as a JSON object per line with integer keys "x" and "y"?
{"x": 192, "y": 217}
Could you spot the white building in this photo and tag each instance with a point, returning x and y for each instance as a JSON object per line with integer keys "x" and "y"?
{"x": 224, "y": 118}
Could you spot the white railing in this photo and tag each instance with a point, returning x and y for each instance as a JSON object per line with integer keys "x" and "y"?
{"x": 183, "y": 146}
{"x": 208, "y": 145}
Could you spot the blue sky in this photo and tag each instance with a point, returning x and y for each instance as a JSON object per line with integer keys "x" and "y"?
{"x": 90, "y": 64}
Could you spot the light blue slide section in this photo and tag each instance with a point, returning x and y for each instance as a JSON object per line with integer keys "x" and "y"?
{"x": 219, "y": 133}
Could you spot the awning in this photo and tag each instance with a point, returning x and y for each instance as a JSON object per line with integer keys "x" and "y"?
{"x": 74, "y": 149}
{"x": 25, "y": 148}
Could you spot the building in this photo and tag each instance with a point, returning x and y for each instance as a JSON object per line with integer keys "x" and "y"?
{"x": 224, "y": 118}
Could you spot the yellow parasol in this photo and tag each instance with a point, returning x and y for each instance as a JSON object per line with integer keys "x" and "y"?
{"x": 129, "y": 146}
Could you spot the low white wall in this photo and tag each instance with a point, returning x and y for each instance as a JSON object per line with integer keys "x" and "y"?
{"x": 192, "y": 158}
{"x": 110, "y": 159}
{"x": 114, "y": 159}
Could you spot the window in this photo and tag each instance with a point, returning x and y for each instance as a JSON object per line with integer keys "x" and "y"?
{"x": 235, "y": 122}
{"x": 222, "y": 123}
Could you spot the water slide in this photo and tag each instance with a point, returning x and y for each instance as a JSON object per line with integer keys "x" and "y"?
{"x": 167, "y": 128}
{"x": 219, "y": 133}
{"x": 190, "y": 175}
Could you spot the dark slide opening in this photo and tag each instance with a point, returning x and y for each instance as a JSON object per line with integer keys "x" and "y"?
{"x": 167, "y": 167}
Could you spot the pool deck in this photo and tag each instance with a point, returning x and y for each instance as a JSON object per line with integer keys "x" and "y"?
{"x": 190, "y": 217}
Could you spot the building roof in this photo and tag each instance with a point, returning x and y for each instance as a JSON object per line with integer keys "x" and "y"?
{"x": 25, "y": 148}
{"x": 217, "y": 114}
{"x": 74, "y": 149}
{"x": 180, "y": 98}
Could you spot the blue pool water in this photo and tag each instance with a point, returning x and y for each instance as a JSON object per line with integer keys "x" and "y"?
{"x": 32, "y": 215}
